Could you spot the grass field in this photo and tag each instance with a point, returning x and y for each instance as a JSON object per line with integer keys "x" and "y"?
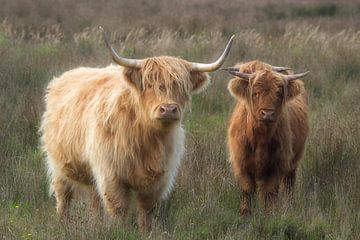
{"x": 41, "y": 39}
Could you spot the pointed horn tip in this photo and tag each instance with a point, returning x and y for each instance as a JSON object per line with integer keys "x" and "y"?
{"x": 304, "y": 74}
{"x": 105, "y": 36}
{"x": 233, "y": 69}
{"x": 233, "y": 73}
{"x": 242, "y": 75}
{"x": 126, "y": 62}
{"x": 296, "y": 76}
{"x": 210, "y": 67}
{"x": 280, "y": 69}
{"x": 103, "y": 31}
{"x": 231, "y": 40}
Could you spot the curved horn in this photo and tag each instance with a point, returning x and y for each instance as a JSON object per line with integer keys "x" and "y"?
{"x": 210, "y": 67}
{"x": 126, "y": 62}
{"x": 295, "y": 76}
{"x": 280, "y": 69}
{"x": 235, "y": 72}
{"x": 236, "y": 69}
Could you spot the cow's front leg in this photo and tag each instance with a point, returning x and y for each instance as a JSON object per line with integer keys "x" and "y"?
{"x": 247, "y": 186}
{"x": 268, "y": 190}
{"x": 145, "y": 204}
{"x": 246, "y": 183}
{"x": 95, "y": 205}
{"x": 115, "y": 196}
{"x": 288, "y": 182}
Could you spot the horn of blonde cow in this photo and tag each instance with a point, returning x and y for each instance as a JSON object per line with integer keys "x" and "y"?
{"x": 126, "y": 62}
{"x": 295, "y": 76}
{"x": 210, "y": 67}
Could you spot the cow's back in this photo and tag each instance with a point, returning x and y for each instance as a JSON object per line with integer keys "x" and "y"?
{"x": 71, "y": 100}
{"x": 299, "y": 124}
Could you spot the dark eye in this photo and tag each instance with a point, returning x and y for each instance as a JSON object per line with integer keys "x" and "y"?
{"x": 279, "y": 93}
{"x": 162, "y": 88}
{"x": 255, "y": 94}
{"x": 148, "y": 85}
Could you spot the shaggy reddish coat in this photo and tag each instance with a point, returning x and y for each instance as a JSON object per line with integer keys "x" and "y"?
{"x": 265, "y": 153}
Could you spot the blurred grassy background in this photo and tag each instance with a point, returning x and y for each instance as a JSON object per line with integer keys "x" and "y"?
{"x": 43, "y": 38}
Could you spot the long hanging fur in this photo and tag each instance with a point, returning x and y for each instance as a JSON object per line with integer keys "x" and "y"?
{"x": 264, "y": 155}
{"x": 95, "y": 126}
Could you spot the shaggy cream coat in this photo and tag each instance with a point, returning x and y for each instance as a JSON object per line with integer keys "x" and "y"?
{"x": 99, "y": 132}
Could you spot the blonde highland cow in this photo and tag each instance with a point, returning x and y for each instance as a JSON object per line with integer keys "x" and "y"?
{"x": 118, "y": 129}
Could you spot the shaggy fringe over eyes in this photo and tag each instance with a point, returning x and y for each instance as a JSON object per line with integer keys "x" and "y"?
{"x": 174, "y": 73}
{"x": 266, "y": 74}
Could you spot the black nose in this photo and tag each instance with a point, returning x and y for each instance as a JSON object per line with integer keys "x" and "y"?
{"x": 169, "y": 111}
{"x": 267, "y": 114}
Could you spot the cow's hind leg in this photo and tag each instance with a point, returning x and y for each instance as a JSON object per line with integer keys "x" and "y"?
{"x": 63, "y": 194}
{"x": 145, "y": 205}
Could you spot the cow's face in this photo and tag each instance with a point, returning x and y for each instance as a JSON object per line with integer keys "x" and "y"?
{"x": 265, "y": 92}
{"x": 164, "y": 86}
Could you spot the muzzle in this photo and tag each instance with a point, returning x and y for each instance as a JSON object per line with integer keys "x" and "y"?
{"x": 168, "y": 112}
{"x": 267, "y": 115}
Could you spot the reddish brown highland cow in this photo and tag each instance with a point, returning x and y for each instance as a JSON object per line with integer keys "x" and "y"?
{"x": 118, "y": 130}
{"x": 267, "y": 130}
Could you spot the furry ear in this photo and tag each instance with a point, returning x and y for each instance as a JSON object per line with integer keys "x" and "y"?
{"x": 238, "y": 87}
{"x": 294, "y": 88}
{"x": 133, "y": 77}
{"x": 199, "y": 81}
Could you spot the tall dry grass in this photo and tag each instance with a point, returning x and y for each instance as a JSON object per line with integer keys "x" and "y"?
{"x": 40, "y": 40}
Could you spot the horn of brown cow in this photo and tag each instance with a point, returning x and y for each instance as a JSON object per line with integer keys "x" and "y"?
{"x": 235, "y": 71}
{"x": 295, "y": 76}
{"x": 126, "y": 62}
{"x": 210, "y": 67}
{"x": 280, "y": 69}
